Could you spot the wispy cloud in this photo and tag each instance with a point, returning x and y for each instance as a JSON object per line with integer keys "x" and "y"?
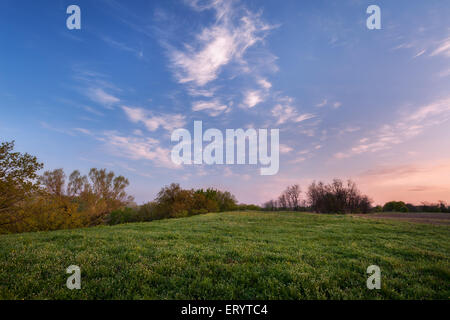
{"x": 322, "y": 104}
{"x": 442, "y": 49}
{"x": 406, "y": 128}
{"x": 326, "y": 102}
{"x": 137, "y": 148}
{"x": 252, "y": 98}
{"x": 122, "y": 46}
{"x": 100, "y": 96}
{"x": 93, "y": 111}
{"x": 212, "y": 107}
{"x": 83, "y": 130}
{"x": 153, "y": 122}
{"x": 285, "y": 148}
{"x": 349, "y": 129}
{"x": 264, "y": 83}
{"x": 287, "y": 113}
{"x": 226, "y": 41}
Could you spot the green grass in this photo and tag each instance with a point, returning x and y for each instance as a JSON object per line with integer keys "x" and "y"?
{"x": 240, "y": 255}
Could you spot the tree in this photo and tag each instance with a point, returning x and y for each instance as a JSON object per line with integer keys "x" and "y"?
{"x": 292, "y": 195}
{"x": 77, "y": 184}
{"x": 54, "y": 181}
{"x": 104, "y": 194}
{"x": 174, "y": 202}
{"x": 18, "y": 174}
{"x": 337, "y": 197}
{"x": 396, "y": 206}
{"x": 96, "y": 197}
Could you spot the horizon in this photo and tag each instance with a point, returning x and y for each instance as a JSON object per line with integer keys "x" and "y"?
{"x": 372, "y": 106}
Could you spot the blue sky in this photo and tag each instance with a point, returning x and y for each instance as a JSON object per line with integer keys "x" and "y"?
{"x": 371, "y": 105}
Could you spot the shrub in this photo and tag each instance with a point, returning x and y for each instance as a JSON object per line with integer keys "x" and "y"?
{"x": 124, "y": 215}
{"x": 395, "y": 206}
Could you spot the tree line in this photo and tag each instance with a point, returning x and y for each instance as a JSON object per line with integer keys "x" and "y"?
{"x": 340, "y": 197}
{"x": 400, "y": 206}
{"x": 335, "y": 197}
{"x": 175, "y": 202}
{"x": 52, "y": 201}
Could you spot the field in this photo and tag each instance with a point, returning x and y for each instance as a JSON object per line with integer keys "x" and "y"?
{"x": 239, "y": 255}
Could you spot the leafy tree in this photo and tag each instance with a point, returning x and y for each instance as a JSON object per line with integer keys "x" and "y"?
{"x": 174, "y": 202}
{"x": 395, "y": 206}
{"x": 105, "y": 193}
{"x": 54, "y": 181}
{"x": 18, "y": 174}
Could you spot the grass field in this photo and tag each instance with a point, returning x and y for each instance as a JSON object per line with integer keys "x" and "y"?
{"x": 239, "y": 255}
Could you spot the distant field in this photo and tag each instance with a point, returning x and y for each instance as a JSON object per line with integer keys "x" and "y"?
{"x": 239, "y": 255}
{"x": 416, "y": 217}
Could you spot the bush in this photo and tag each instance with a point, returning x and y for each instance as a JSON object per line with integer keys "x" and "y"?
{"x": 124, "y": 215}
{"x": 395, "y": 206}
{"x": 378, "y": 209}
{"x": 249, "y": 207}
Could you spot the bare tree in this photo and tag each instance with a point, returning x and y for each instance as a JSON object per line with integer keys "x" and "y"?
{"x": 293, "y": 196}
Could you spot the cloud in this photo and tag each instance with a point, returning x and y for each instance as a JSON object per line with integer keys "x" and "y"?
{"x": 252, "y": 98}
{"x": 213, "y": 107}
{"x": 137, "y": 148}
{"x": 152, "y": 122}
{"x": 82, "y": 130}
{"x": 100, "y": 96}
{"x": 419, "y": 53}
{"x": 287, "y": 113}
{"x": 442, "y": 49}
{"x": 255, "y": 96}
{"x": 349, "y": 130}
{"x": 337, "y": 104}
{"x": 71, "y": 132}
{"x": 406, "y": 128}
{"x": 119, "y": 45}
{"x": 285, "y": 148}
{"x": 264, "y": 83}
{"x": 93, "y": 111}
{"x": 226, "y": 41}
{"x": 444, "y": 73}
{"x": 322, "y": 104}
{"x": 298, "y": 160}
{"x": 304, "y": 117}
{"x": 229, "y": 173}
{"x": 325, "y": 102}
{"x": 202, "y": 92}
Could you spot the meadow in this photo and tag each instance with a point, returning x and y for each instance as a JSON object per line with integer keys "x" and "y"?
{"x": 232, "y": 255}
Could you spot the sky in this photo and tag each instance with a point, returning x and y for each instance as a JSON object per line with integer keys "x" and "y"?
{"x": 351, "y": 103}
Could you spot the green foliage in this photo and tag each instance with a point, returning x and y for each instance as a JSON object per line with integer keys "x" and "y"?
{"x": 124, "y": 215}
{"x": 248, "y": 207}
{"x": 18, "y": 174}
{"x": 378, "y": 209}
{"x": 395, "y": 206}
{"x": 174, "y": 202}
{"x": 224, "y": 201}
{"x": 29, "y": 202}
{"x": 241, "y": 255}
